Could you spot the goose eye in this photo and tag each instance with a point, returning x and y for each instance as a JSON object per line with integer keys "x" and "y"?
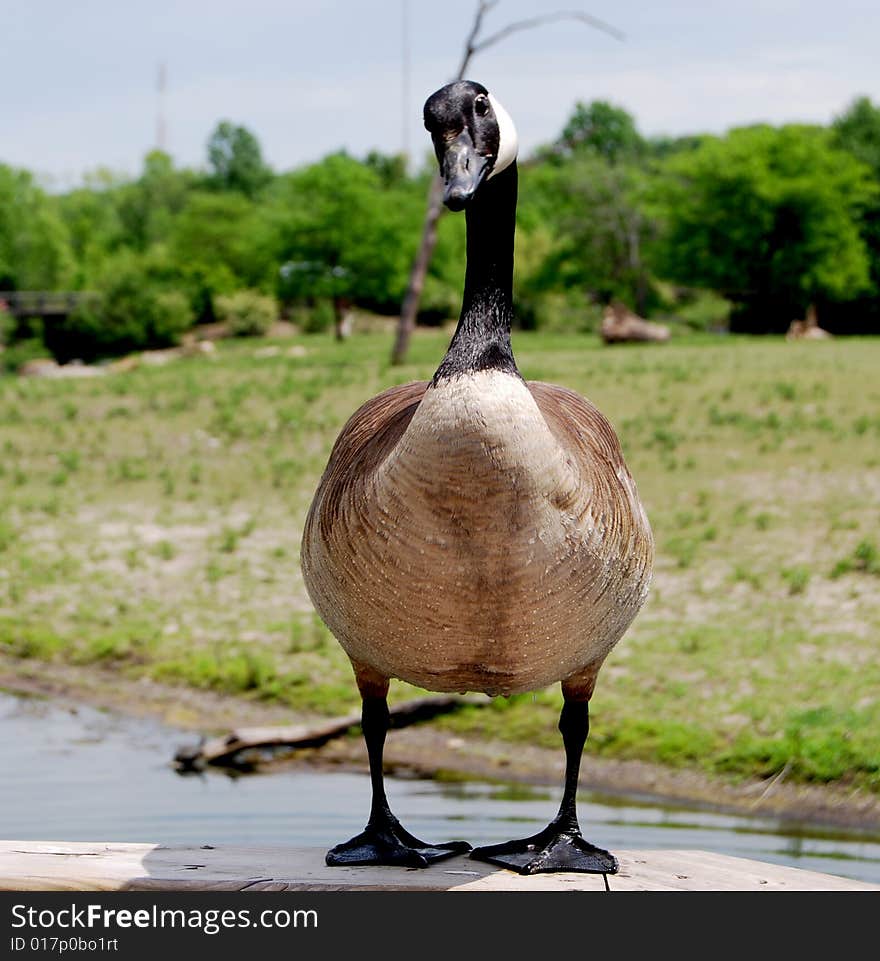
{"x": 481, "y": 105}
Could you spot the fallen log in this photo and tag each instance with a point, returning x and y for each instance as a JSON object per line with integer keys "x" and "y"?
{"x": 620, "y": 325}
{"x": 245, "y": 746}
{"x": 808, "y": 328}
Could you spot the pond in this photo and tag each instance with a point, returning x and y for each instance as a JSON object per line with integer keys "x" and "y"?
{"x": 78, "y": 774}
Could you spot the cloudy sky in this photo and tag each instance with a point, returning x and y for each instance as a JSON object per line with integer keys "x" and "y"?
{"x": 78, "y": 80}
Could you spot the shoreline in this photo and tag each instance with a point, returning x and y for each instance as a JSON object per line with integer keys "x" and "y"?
{"x": 424, "y": 750}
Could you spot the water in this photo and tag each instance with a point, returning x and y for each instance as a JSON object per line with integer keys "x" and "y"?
{"x": 85, "y": 775}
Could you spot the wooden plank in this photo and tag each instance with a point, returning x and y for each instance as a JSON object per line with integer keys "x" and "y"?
{"x": 86, "y": 866}
{"x": 233, "y": 749}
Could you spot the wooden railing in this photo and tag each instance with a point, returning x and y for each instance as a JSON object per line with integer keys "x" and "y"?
{"x": 42, "y": 303}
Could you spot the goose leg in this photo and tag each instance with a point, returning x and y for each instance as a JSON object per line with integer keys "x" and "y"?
{"x": 384, "y": 840}
{"x": 560, "y": 846}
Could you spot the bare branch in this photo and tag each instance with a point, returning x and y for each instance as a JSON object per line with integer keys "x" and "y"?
{"x": 483, "y": 7}
{"x": 531, "y": 22}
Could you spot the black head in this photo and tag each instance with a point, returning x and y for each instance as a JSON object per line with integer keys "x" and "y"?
{"x": 474, "y": 138}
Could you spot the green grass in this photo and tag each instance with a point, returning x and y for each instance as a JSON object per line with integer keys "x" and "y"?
{"x": 150, "y": 524}
{"x": 865, "y": 558}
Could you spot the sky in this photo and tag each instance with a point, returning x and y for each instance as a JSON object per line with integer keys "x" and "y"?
{"x": 78, "y": 81}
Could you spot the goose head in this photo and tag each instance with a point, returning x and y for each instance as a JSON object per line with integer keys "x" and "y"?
{"x": 474, "y": 138}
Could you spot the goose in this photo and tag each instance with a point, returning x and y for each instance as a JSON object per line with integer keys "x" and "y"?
{"x": 477, "y": 532}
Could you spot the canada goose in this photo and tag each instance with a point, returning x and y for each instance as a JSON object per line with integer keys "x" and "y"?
{"x": 477, "y": 532}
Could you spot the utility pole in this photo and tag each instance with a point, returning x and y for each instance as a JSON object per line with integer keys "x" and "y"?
{"x": 404, "y": 78}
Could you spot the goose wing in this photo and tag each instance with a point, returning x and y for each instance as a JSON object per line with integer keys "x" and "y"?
{"x": 578, "y": 425}
{"x": 588, "y": 438}
{"x": 367, "y": 438}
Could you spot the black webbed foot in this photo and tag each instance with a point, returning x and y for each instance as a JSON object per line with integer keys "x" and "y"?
{"x": 387, "y": 842}
{"x": 557, "y": 848}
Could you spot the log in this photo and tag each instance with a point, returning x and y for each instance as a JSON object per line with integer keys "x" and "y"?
{"x": 241, "y": 747}
{"x": 112, "y": 866}
{"x": 620, "y": 325}
{"x": 808, "y": 328}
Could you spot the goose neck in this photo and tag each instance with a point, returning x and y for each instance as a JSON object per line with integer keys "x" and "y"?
{"x": 482, "y": 337}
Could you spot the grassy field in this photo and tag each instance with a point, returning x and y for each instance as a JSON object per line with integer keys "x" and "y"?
{"x": 150, "y": 524}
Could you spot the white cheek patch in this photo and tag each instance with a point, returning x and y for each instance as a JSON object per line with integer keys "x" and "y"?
{"x": 508, "y": 142}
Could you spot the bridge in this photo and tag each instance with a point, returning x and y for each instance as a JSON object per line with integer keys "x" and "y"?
{"x": 42, "y": 303}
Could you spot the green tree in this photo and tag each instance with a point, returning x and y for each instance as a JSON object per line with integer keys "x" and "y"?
{"x": 235, "y": 160}
{"x": 91, "y": 214}
{"x": 35, "y": 252}
{"x": 661, "y": 147}
{"x": 391, "y": 168}
{"x": 768, "y": 217}
{"x": 602, "y": 129}
{"x": 341, "y": 234}
{"x": 587, "y": 214}
{"x": 584, "y": 222}
{"x": 130, "y": 311}
{"x": 219, "y": 244}
{"x": 148, "y": 206}
{"x": 857, "y": 131}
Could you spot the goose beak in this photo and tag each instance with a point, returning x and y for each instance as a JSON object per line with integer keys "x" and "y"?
{"x": 463, "y": 171}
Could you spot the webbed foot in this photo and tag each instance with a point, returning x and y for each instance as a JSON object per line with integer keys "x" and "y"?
{"x": 389, "y": 843}
{"x": 556, "y": 848}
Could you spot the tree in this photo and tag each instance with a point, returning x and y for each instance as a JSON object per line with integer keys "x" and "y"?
{"x": 35, "y": 249}
{"x": 662, "y": 146}
{"x": 148, "y": 206}
{"x": 769, "y": 218}
{"x": 129, "y": 311}
{"x": 601, "y": 224}
{"x": 235, "y": 160}
{"x": 220, "y": 243}
{"x": 601, "y": 129}
{"x": 857, "y": 131}
{"x": 341, "y": 234}
{"x": 391, "y": 168}
{"x": 91, "y": 215}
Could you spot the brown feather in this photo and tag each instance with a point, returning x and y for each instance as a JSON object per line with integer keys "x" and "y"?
{"x": 367, "y": 438}
{"x": 479, "y": 534}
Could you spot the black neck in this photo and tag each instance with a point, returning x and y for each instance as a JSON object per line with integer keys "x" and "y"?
{"x": 482, "y": 338}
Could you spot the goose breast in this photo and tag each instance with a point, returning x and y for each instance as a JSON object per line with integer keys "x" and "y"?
{"x": 480, "y": 534}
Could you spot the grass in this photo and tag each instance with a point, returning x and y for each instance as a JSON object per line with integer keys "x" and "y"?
{"x": 865, "y": 558}
{"x": 150, "y": 524}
